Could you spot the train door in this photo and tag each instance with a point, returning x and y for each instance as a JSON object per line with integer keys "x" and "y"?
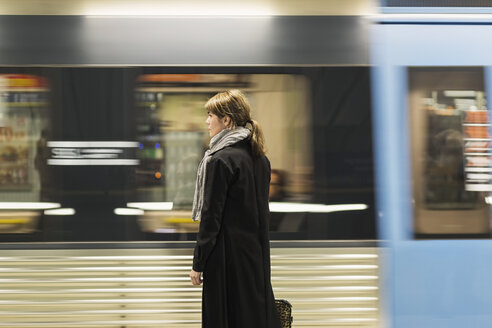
{"x": 431, "y": 82}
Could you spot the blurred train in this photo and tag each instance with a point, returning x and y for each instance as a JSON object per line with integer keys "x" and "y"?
{"x": 431, "y": 124}
{"x": 102, "y": 127}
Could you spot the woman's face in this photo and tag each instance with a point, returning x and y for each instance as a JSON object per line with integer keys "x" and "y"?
{"x": 215, "y": 124}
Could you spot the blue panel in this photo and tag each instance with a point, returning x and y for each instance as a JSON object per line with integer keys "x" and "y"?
{"x": 443, "y": 284}
{"x": 392, "y": 145}
{"x": 434, "y": 45}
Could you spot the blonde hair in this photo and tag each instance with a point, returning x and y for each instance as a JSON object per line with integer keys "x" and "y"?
{"x": 233, "y": 103}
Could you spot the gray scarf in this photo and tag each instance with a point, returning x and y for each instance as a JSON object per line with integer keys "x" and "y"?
{"x": 221, "y": 140}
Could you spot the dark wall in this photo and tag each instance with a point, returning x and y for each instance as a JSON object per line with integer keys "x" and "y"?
{"x": 154, "y": 41}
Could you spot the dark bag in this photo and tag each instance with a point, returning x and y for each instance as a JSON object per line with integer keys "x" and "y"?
{"x": 284, "y": 311}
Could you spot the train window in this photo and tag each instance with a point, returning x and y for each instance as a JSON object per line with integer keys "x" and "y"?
{"x": 110, "y": 154}
{"x": 450, "y": 147}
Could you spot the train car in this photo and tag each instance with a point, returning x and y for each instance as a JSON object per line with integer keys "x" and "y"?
{"x": 432, "y": 154}
{"x": 101, "y": 130}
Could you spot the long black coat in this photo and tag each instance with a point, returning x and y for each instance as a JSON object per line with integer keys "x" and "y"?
{"x": 232, "y": 248}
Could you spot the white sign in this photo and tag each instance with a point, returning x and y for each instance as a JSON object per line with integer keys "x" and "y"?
{"x": 84, "y": 153}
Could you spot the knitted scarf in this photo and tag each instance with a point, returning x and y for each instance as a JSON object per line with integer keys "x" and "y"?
{"x": 224, "y": 138}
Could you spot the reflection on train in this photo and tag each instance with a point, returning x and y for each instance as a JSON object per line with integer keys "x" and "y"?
{"x": 23, "y": 127}
{"x": 172, "y": 136}
{"x": 450, "y": 154}
{"x": 117, "y": 161}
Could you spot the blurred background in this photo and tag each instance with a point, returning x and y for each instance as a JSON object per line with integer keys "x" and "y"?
{"x": 103, "y": 120}
{"x": 102, "y": 126}
{"x": 377, "y": 128}
{"x": 106, "y": 143}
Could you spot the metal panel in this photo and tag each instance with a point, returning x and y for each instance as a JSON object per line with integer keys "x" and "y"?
{"x": 328, "y": 287}
{"x": 251, "y": 40}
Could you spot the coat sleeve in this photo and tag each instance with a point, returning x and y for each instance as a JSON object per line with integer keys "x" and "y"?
{"x": 217, "y": 179}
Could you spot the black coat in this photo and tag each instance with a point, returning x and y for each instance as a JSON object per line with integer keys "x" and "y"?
{"x": 232, "y": 248}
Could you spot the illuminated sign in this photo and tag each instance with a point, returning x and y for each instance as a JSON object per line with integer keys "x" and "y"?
{"x": 88, "y": 153}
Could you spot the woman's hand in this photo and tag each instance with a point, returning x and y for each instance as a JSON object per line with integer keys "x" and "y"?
{"x": 196, "y": 277}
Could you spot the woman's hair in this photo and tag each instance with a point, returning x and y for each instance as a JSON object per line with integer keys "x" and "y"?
{"x": 233, "y": 103}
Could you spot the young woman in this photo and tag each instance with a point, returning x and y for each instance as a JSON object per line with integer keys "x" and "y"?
{"x": 231, "y": 202}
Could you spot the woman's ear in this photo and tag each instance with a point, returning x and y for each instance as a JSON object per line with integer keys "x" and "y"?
{"x": 227, "y": 121}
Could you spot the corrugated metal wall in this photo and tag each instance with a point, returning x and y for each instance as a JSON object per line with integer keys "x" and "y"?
{"x": 328, "y": 287}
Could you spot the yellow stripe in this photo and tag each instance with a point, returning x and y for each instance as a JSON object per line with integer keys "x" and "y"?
{"x": 178, "y": 220}
{"x": 14, "y": 221}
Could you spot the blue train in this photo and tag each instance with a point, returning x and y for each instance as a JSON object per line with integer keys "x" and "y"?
{"x": 431, "y": 82}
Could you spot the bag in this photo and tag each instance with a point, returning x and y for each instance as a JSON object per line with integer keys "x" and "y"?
{"x": 284, "y": 311}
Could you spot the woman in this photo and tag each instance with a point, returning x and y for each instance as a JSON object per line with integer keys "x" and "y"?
{"x": 231, "y": 202}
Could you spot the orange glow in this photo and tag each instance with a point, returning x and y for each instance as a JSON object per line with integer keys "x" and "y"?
{"x": 25, "y": 81}
{"x": 158, "y": 175}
